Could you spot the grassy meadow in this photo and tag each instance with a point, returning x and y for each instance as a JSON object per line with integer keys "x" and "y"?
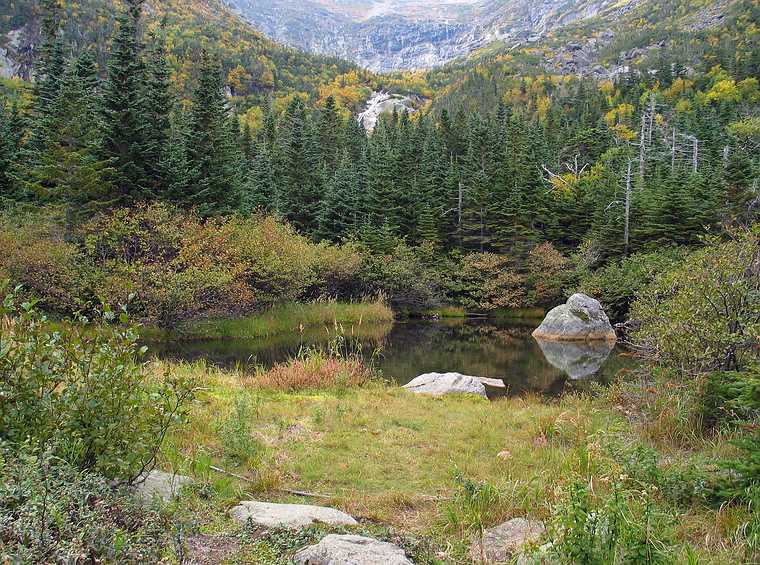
{"x": 391, "y": 458}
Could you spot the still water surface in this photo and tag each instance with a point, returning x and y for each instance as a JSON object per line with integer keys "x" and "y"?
{"x": 486, "y": 348}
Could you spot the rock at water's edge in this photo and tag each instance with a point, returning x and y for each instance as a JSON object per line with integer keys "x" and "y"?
{"x": 271, "y": 515}
{"x": 503, "y": 542}
{"x": 580, "y": 319}
{"x": 439, "y": 384}
{"x": 351, "y": 550}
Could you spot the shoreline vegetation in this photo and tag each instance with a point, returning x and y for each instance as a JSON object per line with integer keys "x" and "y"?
{"x": 290, "y": 318}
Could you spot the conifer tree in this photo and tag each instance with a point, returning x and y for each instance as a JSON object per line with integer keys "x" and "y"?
{"x": 259, "y": 191}
{"x": 124, "y": 121}
{"x": 158, "y": 101}
{"x": 339, "y": 213}
{"x": 68, "y": 169}
{"x": 214, "y": 156}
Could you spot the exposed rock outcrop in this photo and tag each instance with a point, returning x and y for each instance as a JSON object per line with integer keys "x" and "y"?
{"x": 440, "y": 384}
{"x": 351, "y": 550}
{"x": 296, "y": 516}
{"x": 580, "y": 319}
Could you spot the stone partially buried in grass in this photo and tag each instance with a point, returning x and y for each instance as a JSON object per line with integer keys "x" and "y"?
{"x": 269, "y": 515}
{"x": 159, "y": 485}
{"x": 580, "y": 319}
{"x": 351, "y": 550}
{"x": 440, "y": 384}
{"x": 502, "y": 543}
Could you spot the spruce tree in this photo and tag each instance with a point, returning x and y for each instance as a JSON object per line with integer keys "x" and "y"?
{"x": 68, "y": 169}
{"x": 124, "y": 120}
{"x": 339, "y": 212}
{"x": 158, "y": 101}
{"x": 214, "y": 157}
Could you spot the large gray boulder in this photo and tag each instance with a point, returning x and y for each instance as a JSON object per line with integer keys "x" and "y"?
{"x": 577, "y": 360}
{"x": 351, "y": 550}
{"x": 292, "y": 516}
{"x": 580, "y": 319}
{"x": 158, "y": 485}
{"x": 503, "y": 543}
{"x": 439, "y": 384}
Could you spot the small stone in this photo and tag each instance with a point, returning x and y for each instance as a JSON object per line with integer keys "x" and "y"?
{"x": 351, "y": 550}
{"x": 502, "y": 543}
{"x": 295, "y": 516}
{"x": 160, "y": 485}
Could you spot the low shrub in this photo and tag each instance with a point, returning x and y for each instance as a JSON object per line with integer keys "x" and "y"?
{"x": 81, "y": 392}
{"x": 704, "y": 315}
{"x": 52, "y": 512}
{"x": 621, "y": 525}
{"x": 618, "y": 284}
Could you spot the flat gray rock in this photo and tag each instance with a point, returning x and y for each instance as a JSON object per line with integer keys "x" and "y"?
{"x": 580, "y": 319}
{"x": 577, "y": 359}
{"x": 351, "y": 550}
{"x": 160, "y": 485}
{"x": 502, "y": 543}
{"x": 293, "y": 516}
{"x": 439, "y": 384}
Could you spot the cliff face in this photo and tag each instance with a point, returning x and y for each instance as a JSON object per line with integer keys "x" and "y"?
{"x": 387, "y": 35}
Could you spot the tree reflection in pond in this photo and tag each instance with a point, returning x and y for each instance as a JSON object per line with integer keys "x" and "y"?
{"x": 484, "y": 348}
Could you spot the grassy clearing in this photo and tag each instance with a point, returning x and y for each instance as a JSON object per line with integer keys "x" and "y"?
{"x": 391, "y": 458}
{"x": 293, "y": 317}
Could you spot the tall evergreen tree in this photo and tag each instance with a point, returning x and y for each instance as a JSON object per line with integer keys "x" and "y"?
{"x": 68, "y": 169}
{"x": 124, "y": 120}
{"x": 214, "y": 155}
{"x": 158, "y": 101}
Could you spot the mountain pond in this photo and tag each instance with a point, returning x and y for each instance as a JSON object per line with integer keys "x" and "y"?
{"x": 497, "y": 349}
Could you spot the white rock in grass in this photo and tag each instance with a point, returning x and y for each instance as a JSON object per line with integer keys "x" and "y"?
{"x": 270, "y": 515}
{"x": 351, "y": 550}
{"x": 158, "y": 485}
{"x": 439, "y": 384}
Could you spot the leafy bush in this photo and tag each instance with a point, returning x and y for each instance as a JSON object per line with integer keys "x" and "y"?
{"x": 80, "y": 392}
{"x": 621, "y": 526}
{"x": 405, "y": 277}
{"x": 704, "y": 315}
{"x": 547, "y": 275}
{"x": 489, "y": 283}
{"x": 52, "y": 512}
{"x": 177, "y": 266}
{"x": 36, "y": 256}
{"x": 618, "y": 284}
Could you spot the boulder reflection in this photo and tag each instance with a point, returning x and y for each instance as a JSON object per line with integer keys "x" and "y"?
{"x": 578, "y": 360}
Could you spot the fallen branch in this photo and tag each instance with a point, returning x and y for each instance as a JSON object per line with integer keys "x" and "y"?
{"x": 285, "y": 490}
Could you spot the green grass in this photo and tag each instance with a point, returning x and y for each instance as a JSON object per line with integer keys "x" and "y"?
{"x": 293, "y": 317}
{"x": 390, "y": 457}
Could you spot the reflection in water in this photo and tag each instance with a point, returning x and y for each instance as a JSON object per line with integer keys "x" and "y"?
{"x": 577, "y": 360}
{"x": 484, "y": 348}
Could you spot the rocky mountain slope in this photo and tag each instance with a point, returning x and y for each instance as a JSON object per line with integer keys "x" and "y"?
{"x": 256, "y": 66}
{"x": 387, "y": 35}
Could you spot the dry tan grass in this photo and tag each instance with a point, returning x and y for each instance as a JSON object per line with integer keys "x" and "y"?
{"x": 315, "y": 371}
